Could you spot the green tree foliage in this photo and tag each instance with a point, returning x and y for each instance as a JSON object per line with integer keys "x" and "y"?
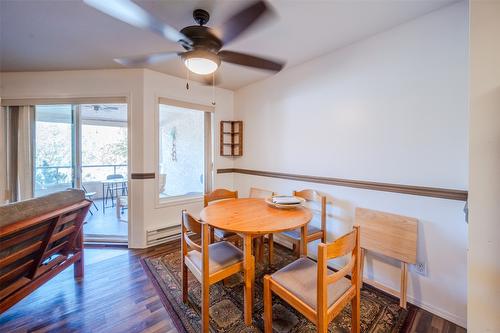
{"x": 101, "y": 145}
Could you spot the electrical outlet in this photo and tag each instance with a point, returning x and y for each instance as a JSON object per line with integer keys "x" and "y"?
{"x": 420, "y": 268}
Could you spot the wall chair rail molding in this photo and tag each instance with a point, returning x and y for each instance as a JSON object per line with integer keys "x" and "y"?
{"x": 146, "y": 175}
{"x": 434, "y": 192}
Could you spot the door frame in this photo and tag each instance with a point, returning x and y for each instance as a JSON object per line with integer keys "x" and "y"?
{"x": 75, "y": 102}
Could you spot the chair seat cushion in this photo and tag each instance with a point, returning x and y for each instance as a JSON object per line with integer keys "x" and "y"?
{"x": 295, "y": 234}
{"x": 221, "y": 234}
{"x": 220, "y": 255}
{"x": 300, "y": 278}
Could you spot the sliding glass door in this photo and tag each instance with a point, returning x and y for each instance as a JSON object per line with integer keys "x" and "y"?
{"x": 85, "y": 146}
{"x": 104, "y": 168}
{"x": 54, "y": 149}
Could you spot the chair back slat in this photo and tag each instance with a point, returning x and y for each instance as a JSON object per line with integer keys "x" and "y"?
{"x": 260, "y": 193}
{"x": 190, "y": 223}
{"x": 219, "y": 194}
{"x": 349, "y": 243}
{"x": 316, "y": 197}
{"x": 309, "y": 195}
{"x": 347, "y": 269}
{"x": 191, "y": 243}
{"x": 342, "y": 246}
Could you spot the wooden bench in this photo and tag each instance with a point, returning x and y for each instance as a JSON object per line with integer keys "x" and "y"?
{"x": 38, "y": 239}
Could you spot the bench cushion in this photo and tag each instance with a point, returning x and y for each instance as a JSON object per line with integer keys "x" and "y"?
{"x": 22, "y": 210}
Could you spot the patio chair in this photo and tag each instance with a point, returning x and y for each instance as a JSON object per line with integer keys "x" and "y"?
{"x": 90, "y": 196}
{"x": 121, "y": 205}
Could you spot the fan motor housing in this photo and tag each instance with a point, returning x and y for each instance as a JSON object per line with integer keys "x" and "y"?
{"x": 202, "y": 37}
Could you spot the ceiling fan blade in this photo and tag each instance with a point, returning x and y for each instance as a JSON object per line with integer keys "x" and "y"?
{"x": 131, "y": 13}
{"x": 147, "y": 59}
{"x": 241, "y": 21}
{"x": 250, "y": 61}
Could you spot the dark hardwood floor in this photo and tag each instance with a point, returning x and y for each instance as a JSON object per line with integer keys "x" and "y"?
{"x": 116, "y": 296}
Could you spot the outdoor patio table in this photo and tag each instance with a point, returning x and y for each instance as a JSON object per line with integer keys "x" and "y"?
{"x": 113, "y": 185}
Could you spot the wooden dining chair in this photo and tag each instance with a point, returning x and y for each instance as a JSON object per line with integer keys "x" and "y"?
{"x": 260, "y": 193}
{"x": 259, "y": 246}
{"x": 316, "y": 291}
{"x": 209, "y": 263}
{"x": 313, "y": 232}
{"x": 215, "y": 196}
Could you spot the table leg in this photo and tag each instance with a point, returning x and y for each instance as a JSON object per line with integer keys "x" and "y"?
{"x": 249, "y": 270}
{"x": 114, "y": 189}
{"x": 271, "y": 248}
{"x": 303, "y": 240}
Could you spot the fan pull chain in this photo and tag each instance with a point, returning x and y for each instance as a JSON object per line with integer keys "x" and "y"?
{"x": 213, "y": 88}
{"x": 187, "y": 77}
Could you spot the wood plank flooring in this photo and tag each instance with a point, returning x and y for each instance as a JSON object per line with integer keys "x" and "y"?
{"x": 116, "y": 296}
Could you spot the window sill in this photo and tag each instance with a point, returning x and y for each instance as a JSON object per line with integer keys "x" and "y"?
{"x": 179, "y": 201}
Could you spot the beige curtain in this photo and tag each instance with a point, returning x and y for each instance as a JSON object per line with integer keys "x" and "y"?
{"x": 25, "y": 153}
{"x": 20, "y": 122}
{"x": 4, "y": 194}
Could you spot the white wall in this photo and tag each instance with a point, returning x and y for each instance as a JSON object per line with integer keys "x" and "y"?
{"x": 484, "y": 194}
{"x": 141, "y": 87}
{"x": 391, "y": 108}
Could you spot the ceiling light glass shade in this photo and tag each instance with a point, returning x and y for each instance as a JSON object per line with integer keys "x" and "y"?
{"x": 201, "y": 62}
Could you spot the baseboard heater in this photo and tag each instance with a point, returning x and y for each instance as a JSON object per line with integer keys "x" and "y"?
{"x": 162, "y": 235}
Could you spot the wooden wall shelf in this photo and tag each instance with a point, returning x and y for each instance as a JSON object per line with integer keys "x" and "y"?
{"x": 231, "y": 138}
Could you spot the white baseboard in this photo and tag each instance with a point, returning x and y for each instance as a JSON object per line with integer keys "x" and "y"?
{"x": 439, "y": 312}
{"x": 428, "y": 307}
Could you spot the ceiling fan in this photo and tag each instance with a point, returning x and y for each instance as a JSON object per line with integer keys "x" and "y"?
{"x": 202, "y": 44}
{"x": 97, "y": 107}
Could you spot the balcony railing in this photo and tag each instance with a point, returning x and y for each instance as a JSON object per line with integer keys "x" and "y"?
{"x": 63, "y": 174}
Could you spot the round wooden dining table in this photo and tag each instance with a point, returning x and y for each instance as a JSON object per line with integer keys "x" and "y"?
{"x": 250, "y": 218}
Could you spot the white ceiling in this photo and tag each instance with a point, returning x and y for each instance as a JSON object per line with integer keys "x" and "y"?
{"x": 62, "y": 35}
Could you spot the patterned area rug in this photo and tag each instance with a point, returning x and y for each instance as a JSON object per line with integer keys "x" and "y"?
{"x": 380, "y": 312}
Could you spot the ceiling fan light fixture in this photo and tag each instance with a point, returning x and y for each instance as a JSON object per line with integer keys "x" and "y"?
{"x": 201, "y": 62}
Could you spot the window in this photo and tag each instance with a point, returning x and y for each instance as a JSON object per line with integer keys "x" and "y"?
{"x": 104, "y": 141}
{"x": 54, "y": 150}
{"x": 184, "y": 151}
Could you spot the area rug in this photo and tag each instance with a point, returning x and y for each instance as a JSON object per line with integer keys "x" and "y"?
{"x": 380, "y": 312}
